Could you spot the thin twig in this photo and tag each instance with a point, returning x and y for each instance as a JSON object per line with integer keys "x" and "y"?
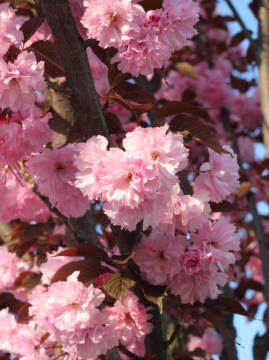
{"x": 129, "y": 353}
{"x": 172, "y": 337}
{"x": 244, "y": 28}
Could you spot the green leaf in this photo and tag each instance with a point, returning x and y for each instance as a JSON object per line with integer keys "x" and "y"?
{"x": 117, "y": 285}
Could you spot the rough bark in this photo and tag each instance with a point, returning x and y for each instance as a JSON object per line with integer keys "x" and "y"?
{"x": 84, "y": 99}
{"x": 264, "y": 70}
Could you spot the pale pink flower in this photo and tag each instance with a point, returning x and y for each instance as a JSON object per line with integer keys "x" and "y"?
{"x": 109, "y": 22}
{"x": 28, "y": 343}
{"x": 98, "y": 338}
{"x": 54, "y": 173}
{"x": 35, "y": 132}
{"x": 193, "y": 261}
{"x": 20, "y": 80}
{"x": 199, "y": 282}
{"x": 174, "y": 85}
{"x": 8, "y": 331}
{"x": 159, "y": 146}
{"x": 191, "y": 211}
{"x": 247, "y": 109}
{"x": 131, "y": 319}
{"x": 212, "y": 91}
{"x": 21, "y": 134}
{"x": 10, "y": 24}
{"x": 211, "y": 342}
{"x": 182, "y": 16}
{"x": 90, "y": 164}
{"x": 141, "y": 54}
{"x": 10, "y": 268}
{"x": 246, "y": 148}
{"x": 158, "y": 256}
{"x": 138, "y": 187}
{"x": 66, "y": 308}
{"x": 10, "y": 135}
{"x": 135, "y": 189}
{"x": 222, "y": 241}
{"x": 19, "y": 201}
{"x": 220, "y": 175}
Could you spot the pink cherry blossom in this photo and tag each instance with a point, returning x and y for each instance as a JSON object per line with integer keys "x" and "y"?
{"x": 131, "y": 318}
{"x": 10, "y": 24}
{"x": 20, "y": 80}
{"x": 182, "y": 16}
{"x": 98, "y": 338}
{"x": 220, "y": 175}
{"x": 222, "y": 241}
{"x": 66, "y": 309}
{"x": 10, "y": 268}
{"x": 158, "y": 257}
{"x": 246, "y": 148}
{"x": 109, "y": 22}
{"x": 191, "y": 211}
{"x": 90, "y": 164}
{"x": 141, "y": 54}
{"x": 195, "y": 285}
{"x": 159, "y": 146}
{"x": 247, "y": 109}
{"x": 54, "y": 173}
{"x": 211, "y": 342}
{"x": 19, "y": 201}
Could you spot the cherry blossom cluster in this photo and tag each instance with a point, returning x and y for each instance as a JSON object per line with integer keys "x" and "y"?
{"x": 191, "y": 266}
{"x": 142, "y": 184}
{"x": 24, "y": 128}
{"x": 67, "y": 314}
{"x": 145, "y": 40}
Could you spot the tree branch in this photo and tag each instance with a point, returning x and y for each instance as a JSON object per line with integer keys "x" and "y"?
{"x": 244, "y": 28}
{"x": 261, "y": 342}
{"x": 257, "y": 222}
{"x": 229, "y": 351}
{"x": 84, "y": 99}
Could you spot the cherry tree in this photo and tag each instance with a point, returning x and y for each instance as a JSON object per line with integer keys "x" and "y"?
{"x": 129, "y": 183}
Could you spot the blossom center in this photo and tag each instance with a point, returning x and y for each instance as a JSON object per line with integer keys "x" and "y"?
{"x": 129, "y": 177}
{"x": 59, "y": 167}
{"x": 154, "y": 155}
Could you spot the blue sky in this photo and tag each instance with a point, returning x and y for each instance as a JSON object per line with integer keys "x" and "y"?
{"x": 246, "y": 330}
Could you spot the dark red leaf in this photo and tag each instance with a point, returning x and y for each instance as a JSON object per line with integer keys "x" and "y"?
{"x": 135, "y": 108}
{"x": 224, "y": 304}
{"x": 200, "y": 131}
{"x": 175, "y": 108}
{"x": 83, "y": 250}
{"x": 151, "y": 4}
{"x": 30, "y": 27}
{"x": 103, "y": 54}
{"x": 47, "y": 52}
{"x": 113, "y": 123}
{"x": 89, "y": 269}
{"x": 224, "y": 206}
